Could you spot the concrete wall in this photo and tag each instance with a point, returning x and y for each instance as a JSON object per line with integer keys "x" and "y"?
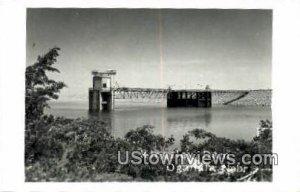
{"x": 253, "y": 98}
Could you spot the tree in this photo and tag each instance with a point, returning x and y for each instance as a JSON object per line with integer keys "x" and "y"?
{"x": 39, "y": 88}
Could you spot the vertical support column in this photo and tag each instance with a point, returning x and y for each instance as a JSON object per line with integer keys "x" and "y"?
{"x": 94, "y": 100}
{"x": 209, "y": 99}
{"x": 112, "y": 100}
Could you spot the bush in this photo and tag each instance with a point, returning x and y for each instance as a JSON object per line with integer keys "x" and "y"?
{"x": 59, "y": 149}
{"x": 62, "y": 149}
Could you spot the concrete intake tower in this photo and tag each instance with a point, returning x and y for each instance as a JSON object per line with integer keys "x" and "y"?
{"x": 101, "y": 94}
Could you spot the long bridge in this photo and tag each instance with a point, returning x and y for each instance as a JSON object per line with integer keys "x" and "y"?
{"x": 139, "y": 93}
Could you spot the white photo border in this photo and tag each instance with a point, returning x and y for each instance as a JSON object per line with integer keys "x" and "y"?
{"x": 285, "y": 105}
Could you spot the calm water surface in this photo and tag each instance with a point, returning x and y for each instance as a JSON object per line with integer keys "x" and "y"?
{"x": 224, "y": 121}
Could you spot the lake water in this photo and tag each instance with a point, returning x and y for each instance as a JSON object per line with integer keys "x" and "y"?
{"x": 235, "y": 122}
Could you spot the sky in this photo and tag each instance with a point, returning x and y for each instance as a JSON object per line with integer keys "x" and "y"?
{"x": 155, "y": 48}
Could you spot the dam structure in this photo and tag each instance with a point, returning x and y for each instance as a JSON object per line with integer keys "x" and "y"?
{"x": 189, "y": 98}
{"x": 103, "y": 94}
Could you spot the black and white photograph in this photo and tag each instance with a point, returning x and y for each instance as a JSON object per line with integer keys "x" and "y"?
{"x": 148, "y": 95}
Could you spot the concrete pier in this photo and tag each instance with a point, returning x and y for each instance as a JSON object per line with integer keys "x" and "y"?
{"x": 94, "y": 100}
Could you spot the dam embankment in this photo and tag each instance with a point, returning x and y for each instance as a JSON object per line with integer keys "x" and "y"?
{"x": 261, "y": 97}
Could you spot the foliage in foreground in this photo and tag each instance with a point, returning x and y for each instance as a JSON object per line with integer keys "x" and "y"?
{"x": 59, "y": 149}
{"x": 39, "y": 89}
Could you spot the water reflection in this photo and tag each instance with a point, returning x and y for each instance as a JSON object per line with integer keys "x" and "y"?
{"x": 204, "y": 116}
{"x": 229, "y": 122}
